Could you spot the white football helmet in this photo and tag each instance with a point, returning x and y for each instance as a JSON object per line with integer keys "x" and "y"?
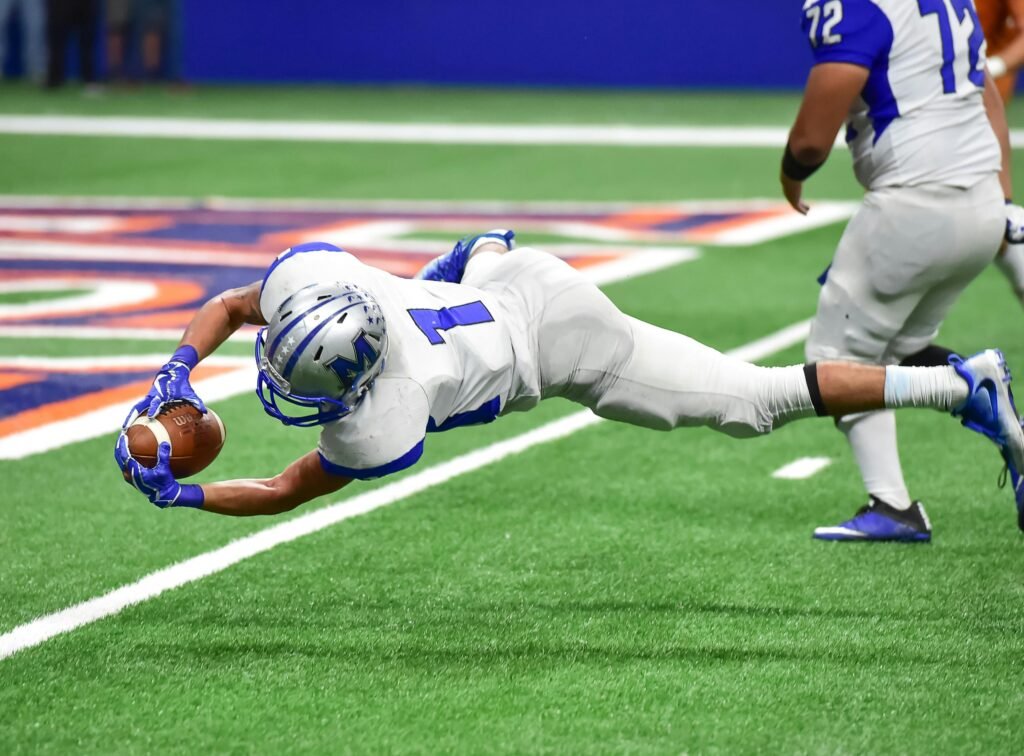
{"x": 321, "y": 351}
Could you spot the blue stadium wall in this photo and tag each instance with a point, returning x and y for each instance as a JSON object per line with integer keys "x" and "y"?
{"x": 617, "y": 43}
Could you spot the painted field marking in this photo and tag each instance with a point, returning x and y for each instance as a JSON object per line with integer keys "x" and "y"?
{"x": 643, "y": 261}
{"x": 802, "y": 468}
{"x": 623, "y": 135}
{"x": 107, "y": 419}
{"x": 42, "y": 629}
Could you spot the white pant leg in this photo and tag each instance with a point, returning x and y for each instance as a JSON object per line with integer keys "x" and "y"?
{"x": 671, "y": 381}
{"x": 588, "y": 351}
{"x": 903, "y": 260}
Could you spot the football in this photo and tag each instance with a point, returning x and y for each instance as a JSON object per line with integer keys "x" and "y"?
{"x": 196, "y": 439}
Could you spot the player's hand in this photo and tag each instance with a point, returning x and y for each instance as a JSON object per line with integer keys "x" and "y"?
{"x": 156, "y": 483}
{"x": 794, "y": 191}
{"x": 1014, "y": 223}
{"x": 170, "y": 385}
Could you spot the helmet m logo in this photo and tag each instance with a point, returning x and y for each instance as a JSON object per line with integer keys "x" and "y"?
{"x": 349, "y": 371}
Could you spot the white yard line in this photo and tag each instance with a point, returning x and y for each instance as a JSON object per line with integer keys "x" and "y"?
{"x": 412, "y": 133}
{"x": 802, "y": 468}
{"x": 42, "y": 629}
{"x": 404, "y": 133}
{"x": 60, "y": 202}
{"x": 620, "y": 135}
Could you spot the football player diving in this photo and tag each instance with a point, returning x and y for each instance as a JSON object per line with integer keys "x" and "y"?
{"x": 930, "y": 144}
{"x": 379, "y": 362}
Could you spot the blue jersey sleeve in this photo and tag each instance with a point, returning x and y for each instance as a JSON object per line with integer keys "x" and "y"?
{"x": 847, "y": 31}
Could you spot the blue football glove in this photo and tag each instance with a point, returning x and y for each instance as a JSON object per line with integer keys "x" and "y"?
{"x": 170, "y": 385}
{"x": 1014, "y": 223}
{"x": 156, "y": 483}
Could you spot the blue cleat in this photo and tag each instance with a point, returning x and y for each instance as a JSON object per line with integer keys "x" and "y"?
{"x": 877, "y": 521}
{"x": 452, "y": 266}
{"x": 990, "y": 411}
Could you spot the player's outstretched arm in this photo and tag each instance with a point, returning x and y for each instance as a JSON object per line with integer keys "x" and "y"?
{"x": 303, "y": 480}
{"x": 210, "y": 327}
{"x": 222, "y": 316}
{"x": 830, "y": 92}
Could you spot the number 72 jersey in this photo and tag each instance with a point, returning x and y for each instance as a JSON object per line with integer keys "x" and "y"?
{"x": 920, "y": 118}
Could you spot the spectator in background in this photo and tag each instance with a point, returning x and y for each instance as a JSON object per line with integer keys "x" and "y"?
{"x": 119, "y": 28}
{"x": 32, "y": 16}
{"x": 144, "y": 31}
{"x": 65, "y": 19}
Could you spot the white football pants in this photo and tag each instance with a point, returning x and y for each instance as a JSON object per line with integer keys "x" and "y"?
{"x": 903, "y": 260}
{"x": 586, "y": 350}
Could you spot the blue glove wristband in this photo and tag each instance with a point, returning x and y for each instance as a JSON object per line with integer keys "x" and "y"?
{"x": 186, "y": 355}
{"x": 191, "y": 496}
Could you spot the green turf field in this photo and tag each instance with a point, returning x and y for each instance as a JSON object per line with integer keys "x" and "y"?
{"x": 616, "y": 591}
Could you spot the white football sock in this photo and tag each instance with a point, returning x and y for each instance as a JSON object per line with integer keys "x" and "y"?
{"x": 872, "y": 437}
{"x": 937, "y": 387}
{"x": 1011, "y": 263}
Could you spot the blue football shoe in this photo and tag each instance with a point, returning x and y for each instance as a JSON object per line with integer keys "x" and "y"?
{"x": 990, "y": 411}
{"x": 452, "y": 266}
{"x": 878, "y": 521}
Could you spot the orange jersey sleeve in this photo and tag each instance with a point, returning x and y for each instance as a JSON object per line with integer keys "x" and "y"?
{"x": 995, "y": 20}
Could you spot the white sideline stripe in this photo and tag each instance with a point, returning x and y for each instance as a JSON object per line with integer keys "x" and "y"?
{"x": 802, "y": 468}
{"x": 42, "y": 629}
{"x": 621, "y": 135}
{"x": 403, "y": 133}
{"x": 63, "y": 203}
{"x": 105, "y": 420}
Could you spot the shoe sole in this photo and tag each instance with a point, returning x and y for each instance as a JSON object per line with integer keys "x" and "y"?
{"x": 1013, "y": 449}
{"x": 841, "y": 534}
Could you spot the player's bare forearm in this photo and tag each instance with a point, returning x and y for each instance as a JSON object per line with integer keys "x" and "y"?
{"x": 997, "y": 117}
{"x": 222, "y": 316}
{"x": 830, "y": 92}
{"x": 302, "y": 481}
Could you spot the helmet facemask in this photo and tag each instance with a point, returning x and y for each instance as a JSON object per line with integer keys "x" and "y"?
{"x": 321, "y": 351}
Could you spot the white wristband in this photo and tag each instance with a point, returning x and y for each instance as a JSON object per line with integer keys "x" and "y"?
{"x": 996, "y": 67}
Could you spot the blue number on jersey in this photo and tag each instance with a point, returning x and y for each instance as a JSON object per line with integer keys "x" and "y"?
{"x": 962, "y": 9}
{"x": 823, "y": 21}
{"x": 432, "y": 322}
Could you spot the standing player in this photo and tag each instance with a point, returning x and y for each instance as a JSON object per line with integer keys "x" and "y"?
{"x": 379, "y": 362}
{"x": 1003, "y": 24}
{"x": 928, "y": 135}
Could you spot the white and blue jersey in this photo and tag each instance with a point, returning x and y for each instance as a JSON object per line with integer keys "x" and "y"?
{"x": 920, "y": 119}
{"x": 450, "y": 362}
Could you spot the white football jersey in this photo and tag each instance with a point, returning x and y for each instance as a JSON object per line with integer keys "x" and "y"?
{"x": 920, "y": 119}
{"x": 450, "y": 361}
